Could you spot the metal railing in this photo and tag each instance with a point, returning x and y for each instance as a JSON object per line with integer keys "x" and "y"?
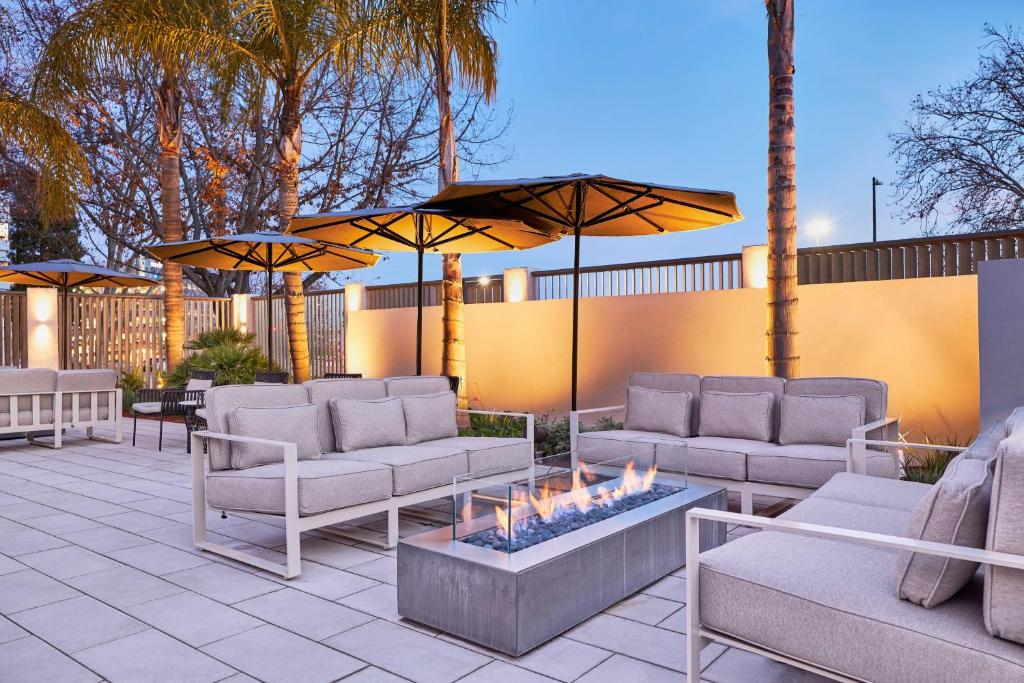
{"x": 404, "y": 295}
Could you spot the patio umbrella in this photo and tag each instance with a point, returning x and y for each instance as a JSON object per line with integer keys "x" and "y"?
{"x": 267, "y": 251}
{"x": 413, "y": 228}
{"x": 65, "y": 274}
{"x": 598, "y": 205}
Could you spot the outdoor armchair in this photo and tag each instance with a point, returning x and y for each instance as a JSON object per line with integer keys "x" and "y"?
{"x": 173, "y": 402}
{"x": 265, "y": 377}
{"x": 343, "y": 375}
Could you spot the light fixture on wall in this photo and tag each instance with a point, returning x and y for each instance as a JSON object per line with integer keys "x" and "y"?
{"x": 819, "y": 227}
{"x": 483, "y": 280}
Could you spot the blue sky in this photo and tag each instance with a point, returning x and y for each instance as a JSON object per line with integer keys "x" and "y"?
{"x": 675, "y": 91}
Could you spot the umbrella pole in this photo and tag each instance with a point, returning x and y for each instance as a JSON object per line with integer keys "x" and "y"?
{"x": 65, "y": 334}
{"x": 419, "y": 311}
{"x": 575, "y": 311}
{"x": 270, "y": 311}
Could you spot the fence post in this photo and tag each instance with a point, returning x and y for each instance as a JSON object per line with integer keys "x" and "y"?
{"x": 518, "y": 285}
{"x": 755, "y": 266}
{"x": 43, "y": 327}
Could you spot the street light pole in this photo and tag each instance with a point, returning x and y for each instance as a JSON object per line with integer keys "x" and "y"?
{"x": 875, "y": 182}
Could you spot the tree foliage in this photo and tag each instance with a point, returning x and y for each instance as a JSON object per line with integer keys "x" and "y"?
{"x": 961, "y": 152}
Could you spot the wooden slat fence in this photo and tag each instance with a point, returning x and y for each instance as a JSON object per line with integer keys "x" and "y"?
{"x": 325, "y": 325}
{"x": 13, "y": 330}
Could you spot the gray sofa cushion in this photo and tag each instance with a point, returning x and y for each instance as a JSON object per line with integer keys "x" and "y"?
{"x": 321, "y": 391}
{"x": 292, "y": 423}
{"x": 847, "y": 515}
{"x": 955, "y": 511}
{"x": 672, "y": 381}
{"x": 413, "y": 468}
{"x": 1004, "y": 588}
{"x": 490, "y": 454}
{"x": 825, "y": 420}
{"x": 1011, "y": 422}
{"x": 416, "y": 386}
{"x": 875, "y": 393}
{"x": 653, "y": 410}
{"x": 748, "y": 385}
{"x": 27, "y": 381}
{"x": 86, "y": 380}
{"x": 429, "y": 417}
{"x": 222, "y": 400}
{"x": 807, "y": 465}
{"x": 835, "y": 604}
{"x": 736, "y": 415}
{"x": 986, "y": 445}
{"x": 715, "y": 456}
{"x": 618, "y": 444}
{"x": 873, "y": 491}
{"x": 372, "y": 423}
{"x": 323, "y": 485}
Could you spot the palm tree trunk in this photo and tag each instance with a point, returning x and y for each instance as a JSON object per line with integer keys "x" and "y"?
{"x": 453, "y": 321}
{"x": 289, "y": 150}
{"x": 782, "y": 357}
{"x": 168, "y": 121}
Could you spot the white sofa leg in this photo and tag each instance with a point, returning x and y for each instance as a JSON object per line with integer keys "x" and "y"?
{"x": 392, "y": 527}
{"x": 293, "y": 548}
{"x": 198, "y": 493}
{"x": 694, "y": 641}
{"x": 747, "y": 502}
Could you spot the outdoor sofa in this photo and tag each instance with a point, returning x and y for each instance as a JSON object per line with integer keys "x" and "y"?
{"x": 877, "y": 579}
{"x": 333, "y": 450}
{"x": 87, "y": 399}
{"x": 752, "y": 435}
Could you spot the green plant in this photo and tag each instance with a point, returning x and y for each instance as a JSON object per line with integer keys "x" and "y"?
{"x": 219, "y": 337}
{"x": 928, "y": 465}
{"x": 232, "y": 354}
{"x": 494, "y": 425}
{"x": 130, "y": 382}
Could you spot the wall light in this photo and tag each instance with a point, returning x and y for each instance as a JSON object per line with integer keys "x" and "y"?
{"x": 819, "y": 227}
{"x": 517, "y": 285}
{"x": 483, "y": 280}
{"x": 755, "y": 266}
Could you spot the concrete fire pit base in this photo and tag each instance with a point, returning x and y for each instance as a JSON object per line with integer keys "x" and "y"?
{"x": 514, "y": 602}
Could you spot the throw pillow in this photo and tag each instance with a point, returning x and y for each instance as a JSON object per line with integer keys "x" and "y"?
{"x": 429, "y": 417}
{"x": 290, "y": 423}
{"x": 651, "y": 410}
{"x": 736, "y": 415}
{"x": 825, "y": 420}
{"x": 370, "y": 423}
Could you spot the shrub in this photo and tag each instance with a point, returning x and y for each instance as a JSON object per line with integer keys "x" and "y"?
{"x": 928, "y": 466}
{"x": 130, "y": 382}
{"x": 232, "y": 354}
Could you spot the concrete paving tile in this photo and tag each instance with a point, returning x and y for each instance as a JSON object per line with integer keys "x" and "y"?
{"x": 78, "y": 623}
{"x": 334, "y": 554}
{"x": 25, "y": 510}
{"x": 104, "y": 539}
{"x": 620, "y": 668}
{"x": 326, "y": 582}
{"x": 7, "y": 526}
{"x": 135, "y": 521}
{"x": 123, "y": 587}
{"x": 152, "y": 656}
{"x": 640, "y": 641}
{"x": 644, "y": 608}
{"x": 504, "y": 672}
{"x": 110, "y": 494}
{"x": 30, "y": 660}
{"x": 160, "y": 506}
{"x": 62, "y": 522}
{"x": 668, "y": 588}
{"x": 15, "y": 543}
{"x": 739, "y": 666}
{"x": 302, "y": 613}
{"x": 372, "y": 674}
{"x": 158, "y": 559}
{"x": 252, "y": 532}
{"x": 68, "y": 561}
{"x": 384, "y": 569}
{"x": 10, "y": 631}
{"x": 192, "y": 618}
{"x": 79, "y": 505}
{"x": 380, "y": 601}
{"x": 272, "y": 654}
{"x": 28, "y": 588}
{"x": 410, "y": 654}
{"x": 222, "y": 583}
{"x": 563, "y": 659}
{"x": 675, "y": 621}
{"x": 8, "y": 565}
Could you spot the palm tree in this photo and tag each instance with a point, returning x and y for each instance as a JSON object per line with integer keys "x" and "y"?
{"x": 436, "y": 33}
{"x": 782, "y": 358}
{"x": 118, "y": 34}
{"x": 61, "y": 167}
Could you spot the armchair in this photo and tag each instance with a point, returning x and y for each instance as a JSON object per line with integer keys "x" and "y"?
{"x": 173, "y": 402}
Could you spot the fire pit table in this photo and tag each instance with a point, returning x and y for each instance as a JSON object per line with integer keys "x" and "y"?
{"x": 526, "y": 561}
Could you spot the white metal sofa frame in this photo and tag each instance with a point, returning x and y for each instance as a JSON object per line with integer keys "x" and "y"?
{"x": 888, "y": 427}
{"x": 698, "y": 637}
{"x": 58, "y": 425}
{"x": 295, "y": 524}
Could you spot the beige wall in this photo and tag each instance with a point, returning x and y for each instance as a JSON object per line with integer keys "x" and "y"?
{"x": 920, "y": 336}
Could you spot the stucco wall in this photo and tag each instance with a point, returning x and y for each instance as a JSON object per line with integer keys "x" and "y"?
{"x": 920, "y": 336}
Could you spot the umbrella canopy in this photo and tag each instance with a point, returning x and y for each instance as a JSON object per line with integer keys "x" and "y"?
{"x": 593, "y": 205}
{"x": 267, "y": 251}
{"x": 414, "y": 228}
{"x": 65, "y": 274}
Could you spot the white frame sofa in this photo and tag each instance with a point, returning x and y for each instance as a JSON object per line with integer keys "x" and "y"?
{"x": 87, "y": 399}
{"x": 744, "y": 465}
{"x": 340, "y": 485}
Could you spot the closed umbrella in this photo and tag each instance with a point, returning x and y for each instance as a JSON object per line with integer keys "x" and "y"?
{"x": 65, "y": 274}
{"x": 413, "y": 228}
{"x": 593, "y": 205}
{"x": 265, "y": 251}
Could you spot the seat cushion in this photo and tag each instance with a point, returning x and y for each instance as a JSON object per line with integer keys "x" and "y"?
{"x": 955, "y": 511}
{"x": 807, "y": 465}
{"x": 873, "y": 491}
{"x": 712, "y": 456}
{"x": 148, "y": 408}
{"x": 826, "y": 420}
{"x": 296, "y": 424}
{"x": 201, "y": 413}
{"x": 834, "y": 604}
{"x": 414, "y": 468}
{"x": 846, "y": 515}
{"x": 490, "y": 454}
{"x": 321, "y": 391}
{"x": 653, "y": 410}
{"x": 371, "y": 423}
{"x": 737, "y": 415}
{"x": 429, "y": 417}
{"x": 618, "y": 444}
{"x": 323, "y": 485}
{"x": 417, "y": 386}
{"x": 1004, "y": 588}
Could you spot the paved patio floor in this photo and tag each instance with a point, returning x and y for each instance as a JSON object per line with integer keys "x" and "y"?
{"x": 99, "y": 581}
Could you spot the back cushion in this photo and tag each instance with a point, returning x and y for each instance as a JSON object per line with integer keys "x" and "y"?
{"x": 739, "y": 384}
{"x": 222, "y": 400}
{"x": 672, "y": 381}
{"x": 321, "y": 391}
{"x": 74, "y": 381}
{"x": 368, "y": 424}
{"x": 294, "y": 423}
{"x": 736, "y": 415}
{"x": 875, "y": 393}
{"x": 1003, "y": 603}
{"x": 417, "y": 386}
{"x": 198, "y": 384}
{"x": 429, "y": 417}
{"x": 650, "y": 410}
{"x": 954, "y": 511}
{"x": 986, "y": 445}
{"x": 1015, "y": 418}
{"x": 825, "y": 420}
{"x": 27, "y": 381}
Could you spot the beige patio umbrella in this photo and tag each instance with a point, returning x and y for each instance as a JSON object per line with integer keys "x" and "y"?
{"x": 413, "y": 228}
{"x": 591, "y": 205}
{"x": 266, "y": 251}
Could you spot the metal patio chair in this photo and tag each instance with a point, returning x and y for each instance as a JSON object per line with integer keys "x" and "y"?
{"x": 172, "y": 402}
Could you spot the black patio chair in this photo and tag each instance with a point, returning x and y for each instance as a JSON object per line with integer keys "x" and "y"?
{"x": 172, "y": 402}
{"x": 343, "y": 375}
{"x": 266, "y": 377}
